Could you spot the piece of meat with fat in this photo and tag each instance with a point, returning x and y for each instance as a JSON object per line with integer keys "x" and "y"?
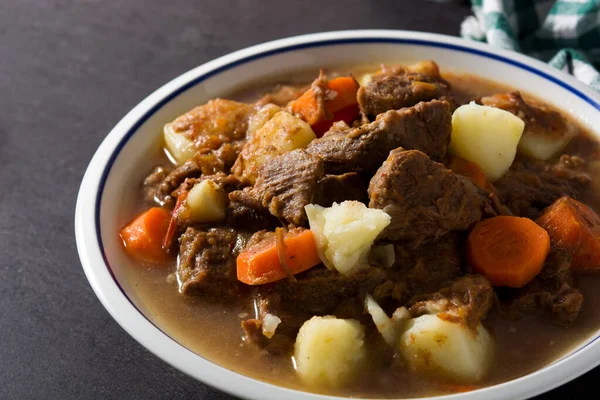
{"x": 399, "y": 91}
{"x": 164, "y": 191}
{"x": 426, "y": 127}
{"x": 320, "y": 291}
{"x": 467, "y": 300}
{"x": 207, "y": 262}
{"x": 285, "y": 184}
{"x": 425, "y": 199}
{"x": 530, "y": 186}
{"x": 552, "y": 290}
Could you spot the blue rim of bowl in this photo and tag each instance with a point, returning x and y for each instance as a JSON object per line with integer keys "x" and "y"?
{"x": 317, "y": 43}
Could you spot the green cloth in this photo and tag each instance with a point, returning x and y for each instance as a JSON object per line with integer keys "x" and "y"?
{"x": 565, "y": 33}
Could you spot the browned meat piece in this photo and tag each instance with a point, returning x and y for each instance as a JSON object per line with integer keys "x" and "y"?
{"x": 430, "y": 266}
{"x": 337, "y": 188}
{"x": 152, "y": 183}
{"x": 280, "y": 343}
{"x": 467, "y": 300}
{"x": 320, "y": 291}
{"x": 172, "y": 181}
{"x": 425, "y": 127}
{"x": 281, "y": 95}
{"x": 538, "y": 118}
{"x": 207, "y": 261}
{"x": 424, "y": 198}
{"x": 285, "y": 185}
{"x": 552, "y": 290}
{"x": 399, "y": 91}
{"x": 530, "y": 186}
{"x": 241, "y": 216}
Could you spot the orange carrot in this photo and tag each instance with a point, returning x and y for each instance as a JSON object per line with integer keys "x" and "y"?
{"x": 575, "y": 227}
{"x": 470, "y": 170}
{"x": 307, "y": 105}
{"x": 143, "y": 237}
{"x": 260, "y": 263}
{"x": 509, "y": 251}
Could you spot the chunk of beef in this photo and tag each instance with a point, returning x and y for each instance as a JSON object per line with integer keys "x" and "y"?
{"x": 425, "y": 127}
{"x": 320, "y": 291}
{"x": 152, "y": 183}
{"x": 552, "y": 290}
{"x": 538, "y": 118}
{"x": 164, "y": 192}
{"x": 241, "y": 216}
{"x": 467, "y": 300}
{"x": 399, "y": 91}
{"x": 530, "y": 186}
{"x": 337, "y": 188}
{"x": 207, "y": 261}
{"x": 285, "y": 185}
{"x": 424, "y": 198}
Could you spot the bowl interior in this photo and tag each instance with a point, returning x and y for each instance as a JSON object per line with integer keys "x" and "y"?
{"x": 130, "y": 162}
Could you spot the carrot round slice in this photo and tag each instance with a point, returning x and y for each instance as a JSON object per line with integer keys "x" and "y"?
{"x": 509, "y": 251}
{"x": 575, "y": 227}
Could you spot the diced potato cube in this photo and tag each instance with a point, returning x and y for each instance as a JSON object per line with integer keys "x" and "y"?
{"x": 260, "y": 118}
{"x": 345, "y": 232}
{"x": 434, "y": 346}
{"x": 329, "y": 351}
{"x": 543, "y": 146}
{"x": 487, "y": 136}
{"x": 180, "y": 148}
{"x": 280, "y": 134}
{"x": 207, "y": 202}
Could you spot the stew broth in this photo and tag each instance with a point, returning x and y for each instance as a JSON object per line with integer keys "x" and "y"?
{"x": 213, "y": 329}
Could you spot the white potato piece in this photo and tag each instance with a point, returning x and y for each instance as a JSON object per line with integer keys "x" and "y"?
{"x": 434, "y": 346}
{"x": 384, "y": 324}
{"x": 180, "y": 147}
{"x": 487, "y": 136}
{"x": 329, "y": 351}
{"x": 260, "y": 118}
{"x": 281, "y": 133}
{"x": 345, "y": 232}
{"x": 207, "y": 202}
{"x": 544, "y": 146}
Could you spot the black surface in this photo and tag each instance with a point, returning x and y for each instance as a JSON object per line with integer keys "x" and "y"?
{"x": 68, "y": 72}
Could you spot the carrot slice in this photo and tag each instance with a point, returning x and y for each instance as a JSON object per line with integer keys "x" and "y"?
{"x": 143, "y": 237}
{"x": 469, "y": 169}
{"x": 347, "y": 115}
{"x": 260, "y": 263}
{"x": 575, "y": 227}
{"x": 509, "y": 251}
{"x": 307, "y": 105}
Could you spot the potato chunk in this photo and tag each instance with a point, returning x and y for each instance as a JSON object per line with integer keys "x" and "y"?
{"x": 434, "y": 346}
{"x": 282, "y": 133}
{"x": 207, "y": 127}
{"x": 345, "y": 232}
{"x": 487, "y": 136}
{"x": 207, "y": 202}
{"x": 329, "y": 351}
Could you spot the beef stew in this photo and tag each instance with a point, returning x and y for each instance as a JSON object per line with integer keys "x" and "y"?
{"x": 317, "y": 237}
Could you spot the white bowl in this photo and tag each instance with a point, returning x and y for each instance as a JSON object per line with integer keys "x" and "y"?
{"x": 114, "y": 173}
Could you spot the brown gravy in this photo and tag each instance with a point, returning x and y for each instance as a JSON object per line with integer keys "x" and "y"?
{"x": 213, "y": 330}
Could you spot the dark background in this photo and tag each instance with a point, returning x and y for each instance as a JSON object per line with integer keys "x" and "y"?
{"x": 69, "y": 70}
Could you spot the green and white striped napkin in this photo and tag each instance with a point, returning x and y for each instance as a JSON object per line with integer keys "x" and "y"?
{"x": 566, "y": 33}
